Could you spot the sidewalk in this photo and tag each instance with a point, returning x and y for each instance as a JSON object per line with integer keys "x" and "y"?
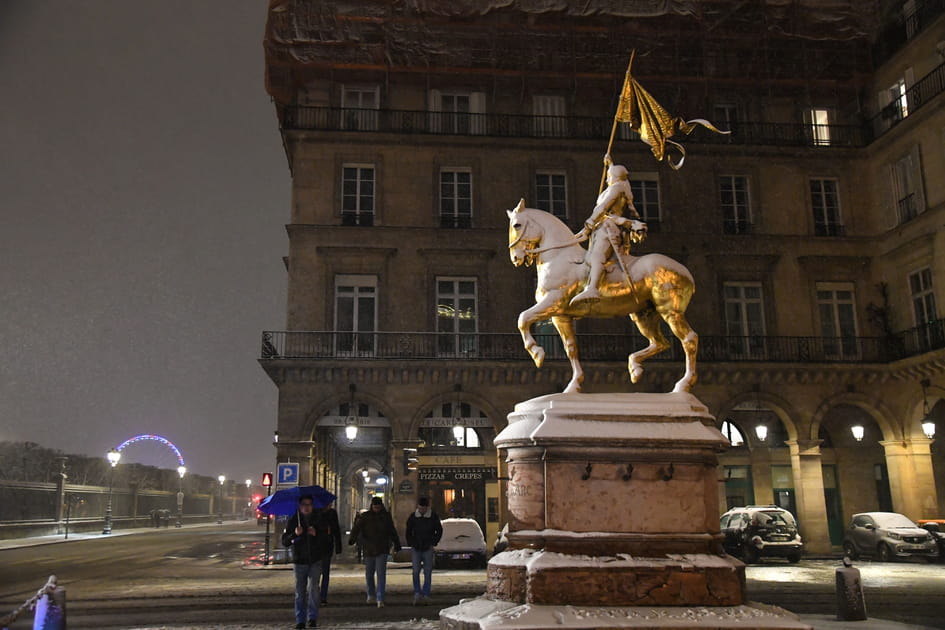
{"x": 32, "y": 541}
{"x": 818, "y": 622}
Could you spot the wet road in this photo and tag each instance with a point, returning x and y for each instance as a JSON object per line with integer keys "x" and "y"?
{"x": 204, "y": 575}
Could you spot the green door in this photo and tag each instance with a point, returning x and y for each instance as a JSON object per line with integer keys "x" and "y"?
{"x": 835, "y": 522}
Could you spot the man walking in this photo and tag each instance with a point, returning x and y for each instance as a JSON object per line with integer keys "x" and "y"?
{"x": 423, "y": 534}
{"x": 330, "y": 516}
{"x": 376, "y": 532}
{"x": 307, "y": 535}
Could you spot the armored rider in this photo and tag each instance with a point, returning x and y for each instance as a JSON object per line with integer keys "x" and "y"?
{"x": 604, "y": 226}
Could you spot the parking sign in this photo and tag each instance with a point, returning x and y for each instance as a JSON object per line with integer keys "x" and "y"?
{"x": 288, "y": 474}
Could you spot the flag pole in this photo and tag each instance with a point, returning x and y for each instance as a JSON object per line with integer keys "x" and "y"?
{"x": 613, "y": 129}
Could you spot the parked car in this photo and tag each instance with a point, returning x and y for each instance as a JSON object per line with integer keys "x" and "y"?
{"x": 761, "y": 531}
{"x": 462, "y": 545}
{"x": 936, "y": 527}
{"x": 887, "y": 536}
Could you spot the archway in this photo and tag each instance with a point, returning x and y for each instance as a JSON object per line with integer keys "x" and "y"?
{"x": 757, "y": 467}
{"x": 854, "y": 462}
{"x": 340, "y": 452}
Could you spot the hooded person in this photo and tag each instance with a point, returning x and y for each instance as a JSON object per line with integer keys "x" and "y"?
{"x": 375, "y": 532}
{"x": 423, "y": 534}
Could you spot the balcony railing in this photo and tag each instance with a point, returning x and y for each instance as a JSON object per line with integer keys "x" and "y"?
{"x": 897, "y": 34}
{"x": 564, "y": 127}
{"x": 508, "y": 346}
{"x": 920, "y": 93}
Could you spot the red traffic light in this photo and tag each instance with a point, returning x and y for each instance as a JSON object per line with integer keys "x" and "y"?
{"x": 267, "y": 480}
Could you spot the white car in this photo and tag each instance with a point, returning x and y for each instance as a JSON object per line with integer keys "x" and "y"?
{"x": 462, "y": 544}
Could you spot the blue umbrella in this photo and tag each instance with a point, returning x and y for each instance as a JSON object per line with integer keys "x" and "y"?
{"x": 285, "y": 502}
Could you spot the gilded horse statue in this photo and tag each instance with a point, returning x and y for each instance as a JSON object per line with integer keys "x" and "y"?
{"x": 650, "y": 289}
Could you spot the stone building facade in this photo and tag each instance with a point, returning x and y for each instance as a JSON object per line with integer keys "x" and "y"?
{"x": 813, "y": 232}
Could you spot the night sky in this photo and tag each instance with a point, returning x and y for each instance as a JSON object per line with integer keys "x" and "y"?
{"x": 143, "y": 197}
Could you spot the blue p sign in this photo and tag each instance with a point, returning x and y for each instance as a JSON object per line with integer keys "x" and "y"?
{"x": 288, "y": 474}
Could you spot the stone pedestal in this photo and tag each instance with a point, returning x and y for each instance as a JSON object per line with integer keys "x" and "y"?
{"x": 613, "y": 506}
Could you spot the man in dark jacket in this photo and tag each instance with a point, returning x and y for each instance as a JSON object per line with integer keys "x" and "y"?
{"x": 423, "y": 534}
{"x": 309, "y": 536}
{"x": 330, "y": 516}
{"x": 376, "y": 532}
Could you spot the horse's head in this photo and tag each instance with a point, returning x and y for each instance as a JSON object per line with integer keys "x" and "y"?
{"x": 520, "y": 241}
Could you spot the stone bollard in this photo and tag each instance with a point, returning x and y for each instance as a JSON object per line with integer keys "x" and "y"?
{"x": 851, "y": 606}
{"x": 51, "y": 610}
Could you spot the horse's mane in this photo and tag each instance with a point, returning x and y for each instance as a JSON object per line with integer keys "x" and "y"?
{"x": 554, "y": 227}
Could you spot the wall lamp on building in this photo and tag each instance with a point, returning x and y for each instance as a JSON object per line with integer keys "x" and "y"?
{"x": 351, "y": 422}
{"x": 762, "y": 432}
{"x": 928, "y": 424}
{"x": 858, "y": 432}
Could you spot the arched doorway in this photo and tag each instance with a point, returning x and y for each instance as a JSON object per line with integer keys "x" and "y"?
{"x": 343, "y": 455}
{"x": 457, "y": 466}
{"x": 851, "y": 448}
{"x": 758, "y": 466}
{"x": 936, "y": 416}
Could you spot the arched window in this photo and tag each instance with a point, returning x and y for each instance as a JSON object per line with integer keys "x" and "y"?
{"x": 452, "y": 425}
{"x": 732, "y": 433}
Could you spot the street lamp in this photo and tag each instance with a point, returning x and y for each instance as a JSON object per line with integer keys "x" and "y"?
{"x": 113, "y": 456}
{"x": 858, "y": 432}
{"x": 928, "y": 424}
{"x": 762, "y": 432}
{"x": 351, "y": 421}
{"x": 249, "y": 499}
{"x": 181, "y": 470}
{"x": 222, "y": 478}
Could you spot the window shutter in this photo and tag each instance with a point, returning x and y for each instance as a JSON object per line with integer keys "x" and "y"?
{"x": 434, "y": 122}
{"x": 918, "y": 182}
{"x": 477, "y": 107}
{"x": 890, "y": 197}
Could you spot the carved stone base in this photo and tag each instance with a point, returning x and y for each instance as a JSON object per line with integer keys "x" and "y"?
{"x": 543, "y": 577}
{"x": 486, "y": 614}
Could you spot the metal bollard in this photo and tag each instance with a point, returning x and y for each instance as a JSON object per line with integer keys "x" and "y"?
{"x": 851, "y": 606}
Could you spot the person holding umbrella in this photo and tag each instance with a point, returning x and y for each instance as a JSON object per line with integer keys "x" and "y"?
{"x": 375, "y": 531}
{"x": 310, "y": 538}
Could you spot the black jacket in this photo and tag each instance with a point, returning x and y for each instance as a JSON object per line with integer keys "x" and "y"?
{"x": 376, "y": 532}
{"x": 330, "y": 516}
{"x": 308, "y": 548}
{"x": 424, "y": 531}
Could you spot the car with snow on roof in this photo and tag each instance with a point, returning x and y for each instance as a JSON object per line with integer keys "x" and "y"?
{"x": 761, "y": 531}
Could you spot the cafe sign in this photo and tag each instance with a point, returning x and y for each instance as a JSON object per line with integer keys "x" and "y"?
{"x": 479, "y": 473}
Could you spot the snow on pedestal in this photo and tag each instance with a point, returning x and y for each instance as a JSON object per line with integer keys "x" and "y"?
{"x": 613, "y": 521}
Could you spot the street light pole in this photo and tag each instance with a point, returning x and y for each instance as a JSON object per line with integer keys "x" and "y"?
{"x": 222, "y": 478}
{"x": 113, "y": 456}
{"x": 181, "y": 470}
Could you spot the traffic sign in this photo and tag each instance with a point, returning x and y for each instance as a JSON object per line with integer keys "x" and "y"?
{"x": 267, "y": 480}
{"x": 288, "y": 474}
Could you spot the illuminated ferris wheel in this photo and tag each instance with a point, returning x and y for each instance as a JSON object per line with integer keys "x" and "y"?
{"x": 151, "y": 450}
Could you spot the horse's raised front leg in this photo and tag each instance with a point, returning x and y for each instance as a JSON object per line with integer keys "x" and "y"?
{"x": 565, "y": 327}
{"x": 543, "y": 309}
{"x": 648, "y": 323}
{"x": 690, "y": 343}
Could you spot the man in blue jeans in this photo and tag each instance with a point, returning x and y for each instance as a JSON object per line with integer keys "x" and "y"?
{"x": 423, "y": 534}
{"x": 375, "y": 532}
{"x": 310, "y": 537}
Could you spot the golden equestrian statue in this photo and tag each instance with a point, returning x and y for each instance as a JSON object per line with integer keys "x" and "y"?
{"x": 606, "y": 280}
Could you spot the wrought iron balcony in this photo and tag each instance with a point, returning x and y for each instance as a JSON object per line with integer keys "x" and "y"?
{"x": 564, "y": 127}
{"x": 326, "y": 345}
